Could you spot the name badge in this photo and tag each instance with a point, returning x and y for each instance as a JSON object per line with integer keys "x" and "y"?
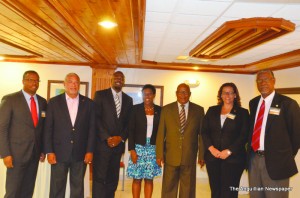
{"x": 230, "y": 116}
{"x": 274, "y": 111}
{"x": 43, "y": 114}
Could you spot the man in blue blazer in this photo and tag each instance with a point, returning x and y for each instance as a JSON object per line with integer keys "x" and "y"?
{"x": 272, "y": 150}
{"x": 113, "y": 112}
{"x": 21, "y": 136}
{"x": 69, "y": 138}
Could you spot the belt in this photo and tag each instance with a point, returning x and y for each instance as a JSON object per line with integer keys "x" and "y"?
{"x": 260, "y": 153}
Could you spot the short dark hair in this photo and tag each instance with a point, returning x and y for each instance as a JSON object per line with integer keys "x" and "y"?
{"x": 237, "y": 99}
{"x": 30, "y": 72}
{"x": 149, "y": 86}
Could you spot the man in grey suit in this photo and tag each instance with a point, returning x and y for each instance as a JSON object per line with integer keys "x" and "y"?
{"x": 177, "y": 143}
{"x": 113, "y": 112}
{"x": 22, "y": 117}
{"x": 69, "y": 138}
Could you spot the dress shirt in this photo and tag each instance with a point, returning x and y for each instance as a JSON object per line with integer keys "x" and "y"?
{"x": 119, "y": 94}
{"x": 149, "y": 125}
{"x": 72, "y": 107}
{"x": 268, "y": 102}
{"x": 186, "y": 109}
{"x": 223, "y": 118}
{"x": 27, "y": 98}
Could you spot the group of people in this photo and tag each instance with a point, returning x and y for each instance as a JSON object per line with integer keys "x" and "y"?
{"x": 73, "y": 131}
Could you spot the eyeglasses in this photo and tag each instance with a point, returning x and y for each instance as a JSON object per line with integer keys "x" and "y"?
{"x": 228, "y": 93}
{"x": 32, "y": 80}
{"x": 264, "y": 80}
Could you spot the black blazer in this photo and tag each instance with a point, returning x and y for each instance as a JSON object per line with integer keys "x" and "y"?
{"x": 138, "y": 126}
{"x": 61, "y": 137}
{"x": 233, "y": 135}
{"x": 282, "y": 136}
{"x": 108, "y": 123}
{"x": 18, "y": 136}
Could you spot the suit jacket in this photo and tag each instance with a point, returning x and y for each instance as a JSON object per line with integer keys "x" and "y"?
{"x": 108, "y": 123}
{"x": 233, "y": 135}
{"x": 175, "y": 148}
{"x": 282, "y": 136}
{"x": 138, "y": 126}
{"x": 18, "y": 136}
{"x": 64, "y": 139}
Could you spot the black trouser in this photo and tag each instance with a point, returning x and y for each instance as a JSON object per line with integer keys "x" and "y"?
{"x": 59, "y": 175}
{"x": 223, "y": 175}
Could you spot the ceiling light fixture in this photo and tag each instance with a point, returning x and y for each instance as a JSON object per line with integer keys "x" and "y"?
{"x": 236, "y": 36}
{"x": 108, "y": 24}
{"x": 1, "y": 58}
{"x": 192, "y": 83}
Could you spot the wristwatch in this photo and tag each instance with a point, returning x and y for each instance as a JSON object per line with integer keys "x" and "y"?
{"x": 229, "y": 152}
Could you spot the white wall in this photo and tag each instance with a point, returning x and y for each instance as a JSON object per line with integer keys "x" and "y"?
{"x": 204, "y": 95}
{"x": 11, "y": 81}
{"x": 11, "y": 75}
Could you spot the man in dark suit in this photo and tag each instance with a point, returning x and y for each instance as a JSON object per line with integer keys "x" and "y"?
{"x": 177, "y": 143}
{"x": 113, "y": 112}
{"x": 69, "y": 138}
{"x": 274, "y": 139}
{"x": 21, "y": 123}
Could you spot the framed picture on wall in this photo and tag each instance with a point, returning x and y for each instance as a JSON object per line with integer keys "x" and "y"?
{"x": 135, "y": 91}
{"x": 292, "y": 92}
{"x": 56, "y": 87}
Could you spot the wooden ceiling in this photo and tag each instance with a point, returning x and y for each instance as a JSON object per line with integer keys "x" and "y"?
{"x": 67, "y": 32}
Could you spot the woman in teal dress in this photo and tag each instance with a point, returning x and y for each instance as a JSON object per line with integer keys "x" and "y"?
{"x": 143, "y": 128}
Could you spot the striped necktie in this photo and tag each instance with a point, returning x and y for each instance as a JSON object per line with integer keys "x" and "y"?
{"x": 257, "y": 128}
{"x": 182, "y": 118}
{"x": 118, "y": 105}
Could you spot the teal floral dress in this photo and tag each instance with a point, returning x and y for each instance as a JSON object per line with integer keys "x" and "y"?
{"x": 146, "y": 167}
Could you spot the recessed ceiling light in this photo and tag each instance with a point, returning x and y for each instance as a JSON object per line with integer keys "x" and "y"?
{"x": 195, "y": 68}
{"x": 108, "y": 24}
{"x": 1, "y": 58}
{"x": 182, "y": 57}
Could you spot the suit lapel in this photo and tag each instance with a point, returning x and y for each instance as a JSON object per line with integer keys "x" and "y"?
{"x": 111, "y": 102}
{"x": 26, "y": 109}
{"x": 175, "y": 112}
{"x": 270, "y": 118}
{"x": 81, "y": 104}
{"x": 64, "y": 107}
{"x": 124, "y": 102}
{"x": 40, "y": 108}
{"x": 228, "y": 120}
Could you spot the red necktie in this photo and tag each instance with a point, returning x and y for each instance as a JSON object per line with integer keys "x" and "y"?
{"x": 257, "y": 127}
{"x": 33, "y": 111}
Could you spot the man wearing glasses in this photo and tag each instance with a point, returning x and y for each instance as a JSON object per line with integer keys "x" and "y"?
{"x": 21, "y": 124}
{"x": 274, "y": 139}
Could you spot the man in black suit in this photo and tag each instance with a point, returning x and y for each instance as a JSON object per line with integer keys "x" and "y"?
{"x": 21, "y": 123}
{"x": 274, "y": 139}
{"x": 69, "y": 138}
{"x": 113, "y": 112}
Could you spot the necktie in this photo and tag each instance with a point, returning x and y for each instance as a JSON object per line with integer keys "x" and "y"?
{"x": 33, "y": 111}
{"x": 257, "y": 127}
{"x": 182, "y": 119}
{"x": 118, "y": 105}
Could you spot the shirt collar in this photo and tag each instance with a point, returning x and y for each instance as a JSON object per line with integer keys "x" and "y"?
{"x": 28, "y": 96}
{"x": 115, "y": 93}
{"x": 69, "y": 98}
{"x": 268, "y": 98}
{"x": 186, "y": 105}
